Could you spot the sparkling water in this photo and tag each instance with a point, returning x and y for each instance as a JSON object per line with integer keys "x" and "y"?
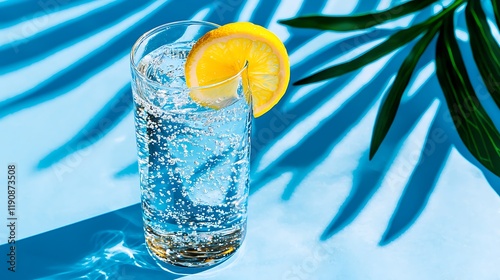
{"x": 194, "y": 164}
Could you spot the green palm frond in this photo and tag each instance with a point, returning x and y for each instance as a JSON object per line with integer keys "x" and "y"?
{"x": 356, "y": 22}
{"x": 394, "y": 42}
{"x": 390, "y": 105}
{"x": 472, "y": 122}
{"x": 475, "y": 127}
{"x": 485, "y": 50}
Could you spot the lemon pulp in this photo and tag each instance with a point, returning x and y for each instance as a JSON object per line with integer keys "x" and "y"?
{"x": 222, "y": 53}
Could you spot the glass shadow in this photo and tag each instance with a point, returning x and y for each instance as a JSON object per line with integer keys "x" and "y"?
{"x": 109, "y": 246}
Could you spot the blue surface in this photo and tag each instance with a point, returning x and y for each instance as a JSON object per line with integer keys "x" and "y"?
{"x": 423, "y": 208}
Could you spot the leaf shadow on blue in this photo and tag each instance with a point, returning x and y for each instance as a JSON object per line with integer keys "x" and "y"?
{"x": 493, "y": 180}
{"x": 311, "y": 7}
{"x": 368, "y": 174}
{"x": 92, "y": 64}
{"x": 365, "y": 6}
{"x": 99, "y": 126}
{"x": 450, "y": 131}
{"x": 63, "y": 35}
{"x": 104, "y": 121}
{"x": 421, "y": 184}
{"x": 441, "y": 139}
{"x": 337, "y": 48}
{"x": 306, "y": 106}
{"x": 285, "y": 119}
{"x": 111, "y": 244}
{"x": 300, "y": 36}
{"x": 265, "y": 10}
{"x": 262, "y": 14}
{"x": 294, "y": 43}
{"x": 344, "y": 120}
{"x": 314, "y": 148}
{"x": 485, "y": 99}
{"x": 372, "y": 170}
{"x": 129, "y": 170}
{"x": 283, "y": 115}
{"x": 14, "y": 10}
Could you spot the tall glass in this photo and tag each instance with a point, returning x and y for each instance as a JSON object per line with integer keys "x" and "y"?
{"x": 193, "y": 160}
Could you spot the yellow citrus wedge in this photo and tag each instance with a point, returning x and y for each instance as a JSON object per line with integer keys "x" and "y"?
{"x": 221, "y": 53}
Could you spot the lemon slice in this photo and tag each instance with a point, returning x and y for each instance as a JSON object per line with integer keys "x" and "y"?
{"x": 222, "y": 53}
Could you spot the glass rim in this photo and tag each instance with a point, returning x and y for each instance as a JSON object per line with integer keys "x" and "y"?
{"x": 163, "y": 27}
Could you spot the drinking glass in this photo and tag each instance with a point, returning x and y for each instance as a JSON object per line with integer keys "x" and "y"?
{"x": 193, "y": 159}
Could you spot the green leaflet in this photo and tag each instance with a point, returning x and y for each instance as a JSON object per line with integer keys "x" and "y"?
{"x": 390, "y": 105}
{"x": 496, "y": 10}
{"x": 485, "y": 49}
{"x": 348, "y": 23}
{"x": 473, "y": 124}
{"x": 394, "y": 42}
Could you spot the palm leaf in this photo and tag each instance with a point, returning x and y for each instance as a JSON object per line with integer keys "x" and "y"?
{"x": 390, "y": 106}
{"x": 394, "y": 42}
{"x": 485, "y": 50}
{"x": 496, "y": 10}
{"x": 363, "y": 21}
{"x": 475, "y": 127}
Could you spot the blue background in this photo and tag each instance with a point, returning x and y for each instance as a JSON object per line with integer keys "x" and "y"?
{"x": 423, "y": 208}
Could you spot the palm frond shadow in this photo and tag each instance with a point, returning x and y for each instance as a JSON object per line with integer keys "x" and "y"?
{"x": 300, "y": 160}
{"x": 298, "y": 37}
{"x": 100, "y": 125}
{"x": 129, "y": 170}
{"x": 64, "y": 34}
{"x": 307, "y": 104}
{"x": 261, "y": 13}
{"x": 337, "y": 48}
{"x": 369, "y": 174}
{"x": 493, "y": 180}
{"x": 314, "y": 98}
{"x": 434, "y": 156}
{"x": 12, "y": 11}
{"x": 366, "y": 6}
{"x": 313, "y": 149}
{"x": 314, "y": 156}
{"x": 423, "y": 178}
{"x": 105, "y": 120}
{"x": 420, "y": 186}
{"x": 90, "y": 65}
{"x": 312, "y": 7}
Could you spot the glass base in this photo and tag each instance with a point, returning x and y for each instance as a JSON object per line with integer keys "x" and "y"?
{"x": 198, "y": 250}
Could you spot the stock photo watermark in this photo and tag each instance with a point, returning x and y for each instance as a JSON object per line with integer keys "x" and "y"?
{"x": 11, "y": 216}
